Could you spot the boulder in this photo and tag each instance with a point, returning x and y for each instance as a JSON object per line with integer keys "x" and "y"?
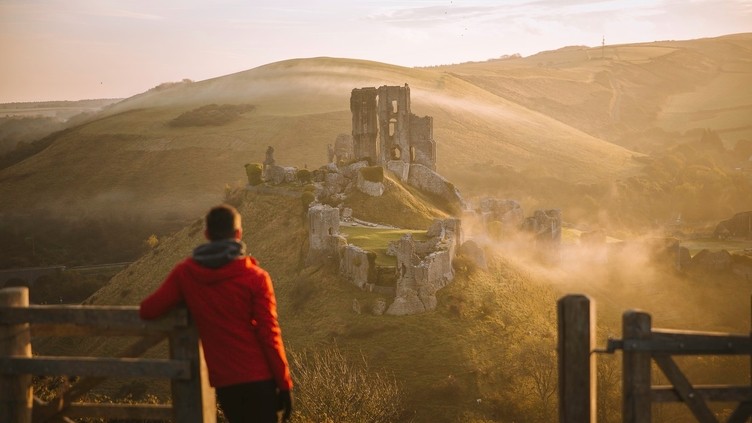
{"x": 379, "y": 307}
{"x": 739, "y": 226}
{"x": 475, "y": 254}
{"x": 712, "y": 261}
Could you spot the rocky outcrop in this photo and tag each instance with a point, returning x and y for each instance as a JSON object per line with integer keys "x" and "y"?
{"x": 472, "y": 251}
{"x": 711, "y": 261}
{"x": 739, "y": 226}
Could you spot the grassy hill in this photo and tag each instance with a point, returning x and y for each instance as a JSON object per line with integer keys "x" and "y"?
{"x": 551, "y": 130}
{"x": 456, "y": 359}
{"x": 621, "y": 92}
{"x": 487, "y": 353}
{"x": 557, "y": 113}
{"x": 131, "y": 159}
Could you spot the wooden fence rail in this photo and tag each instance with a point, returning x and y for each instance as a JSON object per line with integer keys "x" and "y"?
{"x": 192, "y": 398}
{"x": 642, "y": 345}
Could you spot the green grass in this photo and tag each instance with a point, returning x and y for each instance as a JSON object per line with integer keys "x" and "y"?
{"x": 730, "y": 245}
{"x": 377, "y": 240}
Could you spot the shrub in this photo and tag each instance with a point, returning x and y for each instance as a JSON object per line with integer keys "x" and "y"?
{"x": 211, "y": 115}
{"x": 304, "y": 176}
{"x": 373, "y": 173}
{"x": 331, "y": 388}
{"x": 254, "y": 171}
{"x": 306, "y": 199}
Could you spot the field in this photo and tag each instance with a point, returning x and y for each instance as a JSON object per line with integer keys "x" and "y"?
{"x": 377, "y": 240}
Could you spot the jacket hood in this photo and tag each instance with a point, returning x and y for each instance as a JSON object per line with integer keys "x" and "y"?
{"x": 216, "y": 254}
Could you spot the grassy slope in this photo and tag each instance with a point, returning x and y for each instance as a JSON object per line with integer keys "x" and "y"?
{"x": 129, "y": 160}
{"x": 493, "y": 112}
{"x": 491, "y": 337}
{"x": 455, "y": 361}
{"x": 618, "y": 91}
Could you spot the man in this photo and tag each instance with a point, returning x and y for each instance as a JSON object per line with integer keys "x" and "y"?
{"x": 232, "y": 302}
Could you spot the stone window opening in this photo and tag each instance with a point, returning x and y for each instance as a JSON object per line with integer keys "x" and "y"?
{"x": 395, "y": 106}
{"x": 396, "y": 153}
{"x": 330, "y": 231}
{"x": 392, "y": 124}
{"x": 412, "y": 154}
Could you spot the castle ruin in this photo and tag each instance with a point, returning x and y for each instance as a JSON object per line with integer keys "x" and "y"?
{"x": 386, "y": 136}
{"x": 387, "y": 133}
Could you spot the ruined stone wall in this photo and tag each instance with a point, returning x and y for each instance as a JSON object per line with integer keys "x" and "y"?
{"x": 357, "y": 265}
{"x": 344, "y": 151}
{"x": 406, "y": 257}
{"x": 365, "y": 125}
{"x": 394, "y": 123}
{"x": 545, "y": 225}
{"x": 280, "y": 174}
{"x": 427, "y": 180}
{"x": 508, "y": 212}
{"x": 422, "y": 145}
{"x": 403, "y": 138}
{"x": 435, "y": 271}
{"x": 323, "y": 223}
{"x": 374, "y": 189}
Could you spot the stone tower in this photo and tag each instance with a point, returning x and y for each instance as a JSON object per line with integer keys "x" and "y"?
{"x": 323, "y": 224}
{"x": 394, "y": 123}
{"x": 365, "y": 124}
{"x": 385, "y": 130}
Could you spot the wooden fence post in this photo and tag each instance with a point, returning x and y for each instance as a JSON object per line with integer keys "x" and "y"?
{"x": 193, "y": 400}
{"x": 636, "y": 329}
{"x": 16, "y": 396}
{"x": 576, "y": 331}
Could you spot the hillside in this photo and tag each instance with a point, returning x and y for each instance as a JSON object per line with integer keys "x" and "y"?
{"x": 441, "y": 376}
{"x": 130, "y": 159}
{"x": 632, "y": 94}
{"x": 492, "y": 336}
{"x": 567, "y": 128}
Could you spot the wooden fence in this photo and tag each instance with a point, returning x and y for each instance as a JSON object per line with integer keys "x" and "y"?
{"x": 192, "y": 398}
{"x": 641, "y": 345}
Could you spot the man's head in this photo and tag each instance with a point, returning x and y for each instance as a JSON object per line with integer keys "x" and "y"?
{"x": 223, "y": 222}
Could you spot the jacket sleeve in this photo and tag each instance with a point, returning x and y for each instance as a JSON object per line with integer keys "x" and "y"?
{"x": 268, "y": 331}
{"x": 167, "y": 296}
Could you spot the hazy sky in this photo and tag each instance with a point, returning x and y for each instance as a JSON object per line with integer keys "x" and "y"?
{"x": 76, "y": 49}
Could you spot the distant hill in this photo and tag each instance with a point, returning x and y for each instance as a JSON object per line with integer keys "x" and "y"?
{"x": 628, "y": 93}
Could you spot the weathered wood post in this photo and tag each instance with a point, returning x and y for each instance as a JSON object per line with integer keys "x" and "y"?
{"x": 636, "y": 331}
{"x": 193, "y": 400}
{"x": 576, "y": 323}
{"x": 16, "y": 396}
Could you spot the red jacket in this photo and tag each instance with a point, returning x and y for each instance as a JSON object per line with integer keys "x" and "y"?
{"x": 235, "y": 311}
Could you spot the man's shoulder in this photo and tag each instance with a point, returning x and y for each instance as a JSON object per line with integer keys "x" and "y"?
{"x": 252, "y": 264}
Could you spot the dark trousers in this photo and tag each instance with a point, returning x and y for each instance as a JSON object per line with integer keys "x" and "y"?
{"x": 252, "y": 402}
